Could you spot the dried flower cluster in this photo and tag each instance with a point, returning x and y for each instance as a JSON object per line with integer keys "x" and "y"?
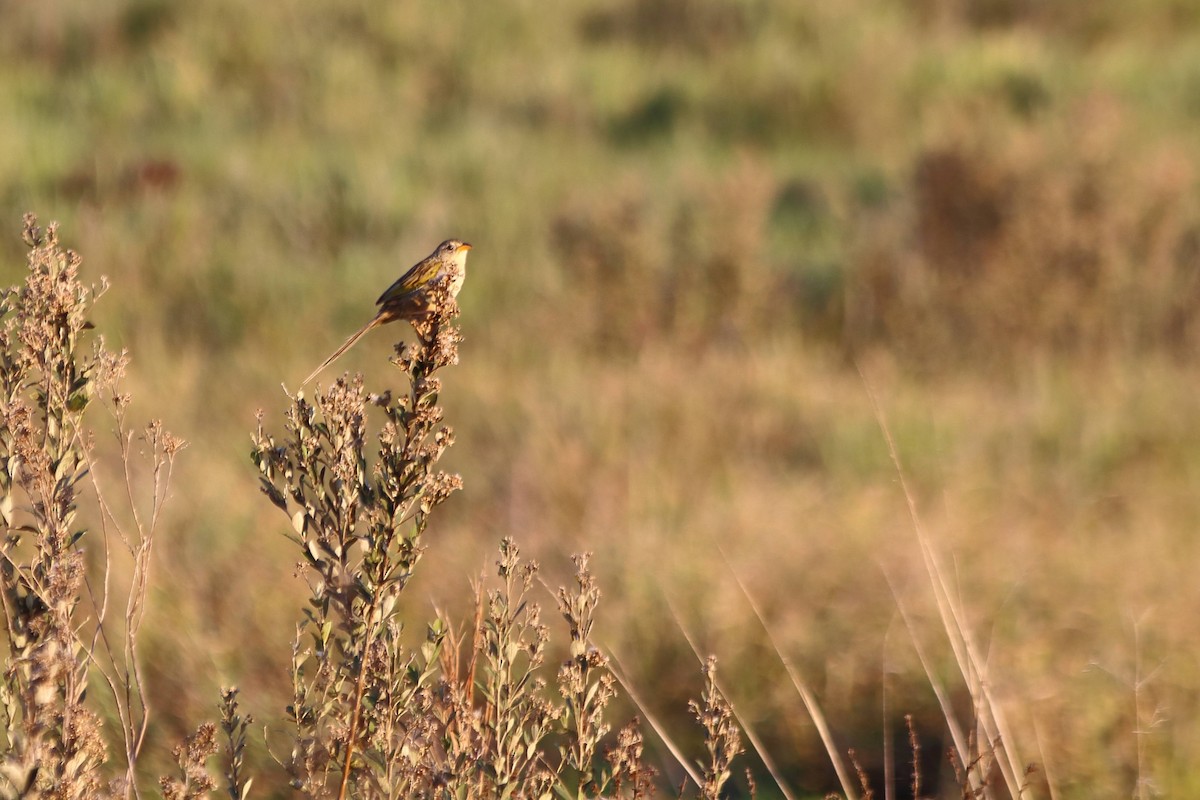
{"x": 721, "y": 736}
{"x": 372, "y": 719}
{"x": 359, "y": 694}
{"x": 584, "y": 682}
{"x": 192, "y": 756}
{"x": 58, "y": 629}
{"x": 52, "y": 739}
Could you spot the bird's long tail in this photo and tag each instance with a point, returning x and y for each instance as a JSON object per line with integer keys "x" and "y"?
{"x": 337, "y": 353}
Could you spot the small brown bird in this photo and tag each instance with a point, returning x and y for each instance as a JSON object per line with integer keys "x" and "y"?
{"x": 409, "y": 297}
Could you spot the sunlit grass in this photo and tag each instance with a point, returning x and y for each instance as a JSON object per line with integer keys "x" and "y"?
{"x": 684, "y": 233}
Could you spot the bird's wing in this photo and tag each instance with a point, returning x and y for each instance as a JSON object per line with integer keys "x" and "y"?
{"x": 421, "y": 274}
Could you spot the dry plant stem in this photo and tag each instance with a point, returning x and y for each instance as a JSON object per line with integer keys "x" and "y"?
{"x": 806, "y": 695}
{"x": 234, "y": 725}
{"x": 1047, "y": 768}
{"x": 1145, "y": 783}
{"x": 939, "y": 690}
{"x": 961, "y": 739}
{"x": 885, "y": 685}
{"x": 476, "y": 638}
{"x": 914, "y": 745}
{"x": 957, "y": 631}
{"x": 355, "y": 713}
{"x": 659, "y": 729}
{"x": 755, "y": 741}
{"x": 127, "y": 684}
{"x": 863, "y": 781}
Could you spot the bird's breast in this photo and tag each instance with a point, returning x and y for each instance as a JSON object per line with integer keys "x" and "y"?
{"x": 457, "y": 273}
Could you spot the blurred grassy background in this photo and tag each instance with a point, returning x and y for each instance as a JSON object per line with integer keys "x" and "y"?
{"x": 690, "y": 218}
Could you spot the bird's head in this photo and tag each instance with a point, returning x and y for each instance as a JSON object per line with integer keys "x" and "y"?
{"x": 453, "y": 249}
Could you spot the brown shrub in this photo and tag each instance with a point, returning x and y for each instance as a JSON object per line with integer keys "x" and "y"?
{"x": 1001, "y": 250}
{"x": 694, "y": 270}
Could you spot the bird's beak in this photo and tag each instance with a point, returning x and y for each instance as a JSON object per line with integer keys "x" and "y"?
{"x": 464, "y": 246}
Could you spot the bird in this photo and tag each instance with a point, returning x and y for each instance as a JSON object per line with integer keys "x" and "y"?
{"x": 410, "y": 297}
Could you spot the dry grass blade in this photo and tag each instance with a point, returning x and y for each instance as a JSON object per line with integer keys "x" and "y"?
{"x": 957, "y": 632}
{"x": 755, "y": 741}
{"x": 806, "y": 695}
{"x": 1047, "y": 769}
{"x": 619, "y": 673}
{"x": 889, "y": 750}
{"x": 939, "y": 690}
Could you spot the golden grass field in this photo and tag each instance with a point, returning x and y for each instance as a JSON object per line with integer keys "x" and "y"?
{"x": 694, "y": 223}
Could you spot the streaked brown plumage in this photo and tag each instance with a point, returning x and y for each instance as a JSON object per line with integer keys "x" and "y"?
{"x": 409, "y": 297}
